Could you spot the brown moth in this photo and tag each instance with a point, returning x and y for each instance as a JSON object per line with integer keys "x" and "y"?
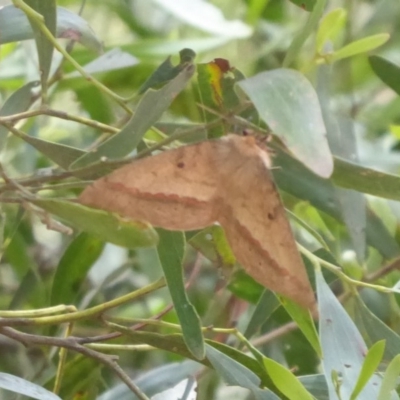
{"x": 225, "y": 180}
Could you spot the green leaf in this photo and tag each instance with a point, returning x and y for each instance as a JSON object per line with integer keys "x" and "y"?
{"x": 366, "y": 180}
{"x": 244, "y": 286}
{"x": 44, "y": 46}
{"x": 18, "y": 102}
{"x": 286, "y": 381}
{"x": 343, "y": 347}
{"x": 22, "y": 386}
{"x": 73, "y": 267}
{"x": 371, "y": 363}
{"x": 110, "y": 61}
{"x": 14, "y": 27}
{"x": 149, "y": 110}
{"x": 373, "y": 330}
{"x": 287, "y": 102}
{"x": 342, "y": 142}
{"x": 175, "y": 343}
{"x": 106, "y": 226}
{"x": 266, "y": 305}
{"x": 390, "y": 379}
{"x": 292, "y": 177}
{"x": 186, "y": 389}
{"x": 171, "y": 250}
{"x": 388, "y": 72}
{"x": 167, "y": 71}
{"x": 212, "y": 243}
{"x": 236, "y": 374}
{"x": 216, "y": 82}
{"x": 360, "y": 46}
{"x": 316, "y": 385}
{"x": 329, "y": 27}
{"x": 305, "y": 322}
{"x": 61, "y": 154}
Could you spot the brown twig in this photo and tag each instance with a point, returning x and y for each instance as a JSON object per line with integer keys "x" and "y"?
{"x": 71, "y": 343}
{"x": 387, "y": 269}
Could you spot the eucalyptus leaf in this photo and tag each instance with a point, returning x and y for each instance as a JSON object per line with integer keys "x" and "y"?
{"x": 107, "y": 226}
{"x": 147, "y": 113}
{"x": 387, "y": 71}
{"x": 171, "y": 250}
{"x": 18, "y": 102}
{"x": 288, "y": 103}
{"x": 44, "y": 46}
{"x": 343, "y": 347}
{"x": 22, "y": 386}
{"x": 361, "y": 46}
{"x": 14, "y": 26}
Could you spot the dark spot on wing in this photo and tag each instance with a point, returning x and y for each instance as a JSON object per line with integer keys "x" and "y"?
{"x": 180, "y": 164}
{"x": 271, "y": 216}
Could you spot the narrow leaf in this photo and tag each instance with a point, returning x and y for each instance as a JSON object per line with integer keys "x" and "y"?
{"x": 342, "y": 142}
{"x": 266, "y": 305}
{"x": 305, "y": 322}
{"x": 373, "y": 329}
{"x": 73, "y": 267}
{"x": 18, "y": 102}
{"x": 286, "y": 381}
{"x": 14, "y": 26}
{"x": 388, "y": 72}
{"x": 292, "y": 177}
{"x": 329, "y": 27}
{"x": 149, "y": 110}
{"x": 171, "y": 250}
{"x": 44, "y": 46}
{"x": 316, "y": 385}
{"x": 167, "y": 71}
{"x": 361, "y": 46}
{"x": 22, "y": 386}
{"x": 236, "y": 374}
{"x": 61, "y": 154}
{"x": 343, "y": 347}
{"x": 186, "y": 389}
{"x": 366, "y": 180}
{"x": 390, "y": 380}
{"x": 106, "y": 226}
{"x": 371, "y": 363}
{"x": 109, "y": 61}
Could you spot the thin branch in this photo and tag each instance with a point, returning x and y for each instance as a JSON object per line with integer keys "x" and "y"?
{"x": 6, "y": 119}
{"x": 387, "y": 269}
{"x": 39, "y": 21}
{"x": 71, "y": 343}
{"x": 88, "y": 313}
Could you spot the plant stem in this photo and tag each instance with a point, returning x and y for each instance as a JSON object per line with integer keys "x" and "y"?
{"x": 89, "y": 313}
